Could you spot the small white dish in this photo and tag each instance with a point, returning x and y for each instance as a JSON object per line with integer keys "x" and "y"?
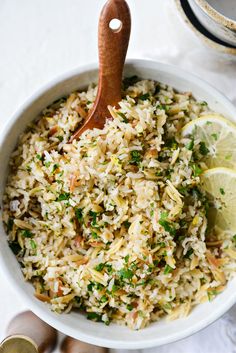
{"x": 216, "y": 22}
{"x": 75, "y": 324}
{"x": 208, "y": 39}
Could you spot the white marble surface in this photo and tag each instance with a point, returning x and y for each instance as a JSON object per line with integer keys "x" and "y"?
{"x": 40, "y": 39}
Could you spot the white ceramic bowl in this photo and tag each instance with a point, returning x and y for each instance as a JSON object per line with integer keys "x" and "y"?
{"x": 216, "y": 22}
{"x": 75, "y": 324}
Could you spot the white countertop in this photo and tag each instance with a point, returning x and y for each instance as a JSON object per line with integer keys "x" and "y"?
{"x": 40, "y": 39}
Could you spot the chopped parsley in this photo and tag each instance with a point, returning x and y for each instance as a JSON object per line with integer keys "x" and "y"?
{"x": 125, "y": 273}
{"x": 126, "y": 259}
{"x": 90, "y": 286}
{"x": 234, "y": 238}
{"x": 212, "y": 293}
{"x": 94, "y": 218}
{"x": 122, "y": 115}
{"x": 215, "y": 136}
{"x": 129, "y": 307}
{"x": 94, "y": 235}
{"x": 55, "y": 167}
{"x": 183, "y": 190}
{"x": 196, "y": 170}
{"x": 168, "y": 269}
{"x": 222, "y": 191}
{"x": 33, "y": 244}
{"x": 115, "y": 287}
{"x": 39, "y": 157}
{"x": 167, "y": 306}
{"x": 108, "y": 268}
{"x": 100, "y": 267}
{"x": 136, "y": 157}
{"x": 203, "y": 148}
{"x": 103, "y": 299}
{"x": 79, "y": 214}
{"x": 63, "y": 197}
{"x": 163, "y": 107}
{"x": 167, "y": 226}
{"x": 144, "y": 97}
{"x": 60, "y": 138}
{"x": 94, "y": 317}
{"x": 190, "y": 145}
{"x": 161, "y": 244}
{"x": 152, "y": 209}
{"x": 26, "y": 233}
{"x": 95, "y": 285}
{"x": 47, "y": 164}
{"x": 188, "y": 253}
{"x": 127, "y": 224}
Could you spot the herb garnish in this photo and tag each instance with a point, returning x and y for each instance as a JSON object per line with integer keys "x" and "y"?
{"x": 196, "y": 170}
{"x": 26, "y": 233}
{"x": 129, "y": 307}
{"x": 222, "y": 191}
{"x": 79, "y": 214}
{"x": 215, "y": 136}
{"x": 94, "y": 317}
{"x": 125, "y": 273}
{"x": 166, "y": 225}
{"x": 135, "y": 157}
{"x": 122, "y": 115}
{"x": 203, "y": 148}
{"x": 33, "y": 244}
{"x": 94, "y": 218}
{"x": 144, "y": 97}
{"x": 63, "y": 197}
{"x": 190, "y": 145}
{"x": 127, "y": 224}
{"x": 168, "y": 269}
{"x": 100, "y": 267}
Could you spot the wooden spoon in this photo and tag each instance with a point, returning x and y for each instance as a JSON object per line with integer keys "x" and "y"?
{"x": 112, "y": 46}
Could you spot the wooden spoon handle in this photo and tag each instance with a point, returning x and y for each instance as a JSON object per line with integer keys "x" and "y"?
{"x": 112, "y": 45}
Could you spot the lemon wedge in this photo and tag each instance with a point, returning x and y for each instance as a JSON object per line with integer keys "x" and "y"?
{"x": 220, "y": 187}
{"x": 217, "y": 137}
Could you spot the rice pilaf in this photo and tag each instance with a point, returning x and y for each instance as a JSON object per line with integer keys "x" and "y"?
{"x": 115, "y": 223}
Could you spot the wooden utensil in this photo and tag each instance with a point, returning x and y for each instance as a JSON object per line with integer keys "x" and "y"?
{"x": 112, "y": 46}
{"x": 27, "y": 333}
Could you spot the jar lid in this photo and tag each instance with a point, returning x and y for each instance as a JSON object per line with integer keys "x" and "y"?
{"x": 18, "y": 344}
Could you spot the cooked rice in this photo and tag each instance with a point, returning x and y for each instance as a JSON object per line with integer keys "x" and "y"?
{"x": 115, "y": 223}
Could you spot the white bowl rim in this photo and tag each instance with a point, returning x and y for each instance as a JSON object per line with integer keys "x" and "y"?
{"x": 29, "y": 300}
{"x": 216, "y": 15}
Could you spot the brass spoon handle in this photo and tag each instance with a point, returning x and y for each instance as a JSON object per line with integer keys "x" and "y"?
{"x": 112, "y": 46}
